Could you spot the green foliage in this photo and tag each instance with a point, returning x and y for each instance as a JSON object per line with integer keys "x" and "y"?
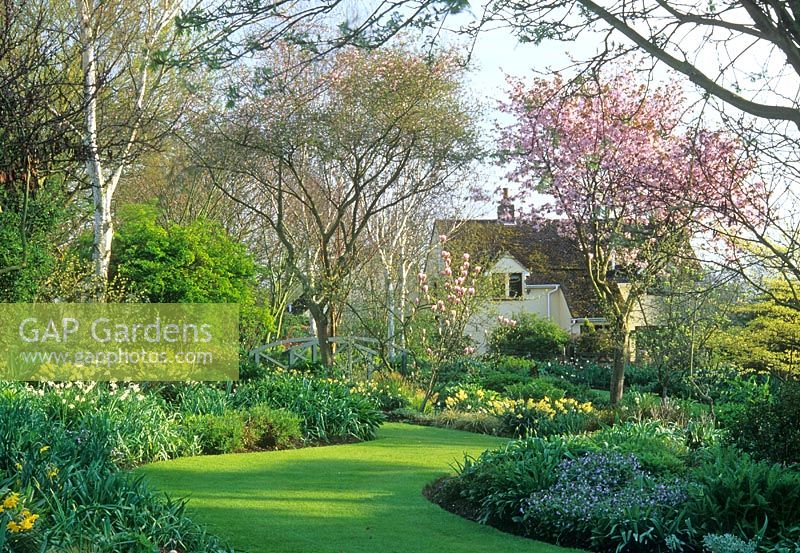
{"x": 547, "y": 417}
{"x": 197, "y": 399}
{"x": 727, "y": 543}
{"x": 217, "y": 433}
{"x": 481, "y": 423}
{"x": 593, "y": 342}
{"x": 638, "y": 406}
{"x": 499, "y": 480}
{"x": 329, "y": 411}
{"x": 114, "y": 512}
{"x": 388, "y": 392}
{"x": 605, "y": 500}
{"x": 591, "y": 374}
{"x": 766, "y": 333}
{"x": 27, "y": 242}
{"x": 750, "y": 499}
{"x": 137, "y": 427}
{"x": 533, "y": 337}
{"x": 661, "y": 449}
{"x": 268, "y": 428}
{"x": 61, "y": 446}
{"x": 492, "y": 373}
{"x": 766, "y": 426}
{"x": 536, "y": 388}
{"x": 173, "y": 263}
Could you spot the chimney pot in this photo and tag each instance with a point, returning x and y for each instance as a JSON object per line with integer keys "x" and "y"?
{"x": 505, "y": 209}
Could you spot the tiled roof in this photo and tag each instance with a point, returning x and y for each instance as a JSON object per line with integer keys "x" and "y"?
{"x": 550, "y": 257}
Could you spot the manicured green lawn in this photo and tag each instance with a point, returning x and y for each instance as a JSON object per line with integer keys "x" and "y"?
{"x": 349, "y": 498}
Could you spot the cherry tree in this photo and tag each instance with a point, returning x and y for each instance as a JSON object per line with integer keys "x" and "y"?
{"x": 627, "y": 182}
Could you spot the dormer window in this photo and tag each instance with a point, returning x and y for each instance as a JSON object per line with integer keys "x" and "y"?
{"x": 515, "y": 285}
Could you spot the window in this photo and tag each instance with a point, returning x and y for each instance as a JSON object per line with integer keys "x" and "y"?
{"x": 515, "y": 285}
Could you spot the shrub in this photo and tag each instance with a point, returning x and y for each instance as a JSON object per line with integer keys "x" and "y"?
{"x": 594, "y": 342}
{"x": 532, "y": 337}
{"x": 766, "y": 426}
{"x": 536, "y": 388}
{"x": 739, "y": 495}
{"x": 268, "y": 428}
{"x": 217, "y": 433}
{"x": 661, "y": 450}
{"x": 499, "y": 480}
{"x": 461, "y": 370}
{"x": 328, "y": 409}
{"x": 500, "y": 371}
{"x": 198, "y": 262}
{"x": 589, "y": 374}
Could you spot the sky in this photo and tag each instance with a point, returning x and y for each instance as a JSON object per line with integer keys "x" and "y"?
{"x": 497, "y": 54}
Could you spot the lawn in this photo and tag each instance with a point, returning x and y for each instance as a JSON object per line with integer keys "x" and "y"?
{"x": 363, "y": 497}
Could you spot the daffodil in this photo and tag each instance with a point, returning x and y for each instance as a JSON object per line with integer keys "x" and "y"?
{"x": 11, "y": 500}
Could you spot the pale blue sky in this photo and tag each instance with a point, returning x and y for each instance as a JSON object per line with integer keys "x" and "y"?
{"x": 495, "y": 54}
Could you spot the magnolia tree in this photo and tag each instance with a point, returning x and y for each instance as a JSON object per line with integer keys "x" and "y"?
{"x": 625, "y": 181}
{"x": 452, "y": 300}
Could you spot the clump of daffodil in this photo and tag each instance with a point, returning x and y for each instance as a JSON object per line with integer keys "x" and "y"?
{"x": 20, "y": 518}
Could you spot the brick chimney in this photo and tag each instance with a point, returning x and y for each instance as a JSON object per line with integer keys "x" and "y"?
{"x": 505, "y": 210}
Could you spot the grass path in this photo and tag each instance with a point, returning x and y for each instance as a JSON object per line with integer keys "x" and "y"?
{"x": 360, "y": 498}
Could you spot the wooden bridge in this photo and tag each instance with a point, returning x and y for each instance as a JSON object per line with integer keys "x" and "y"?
{"x": 351, "y": 352}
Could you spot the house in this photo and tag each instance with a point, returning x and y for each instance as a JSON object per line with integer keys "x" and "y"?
{"x": 535, "y": 269}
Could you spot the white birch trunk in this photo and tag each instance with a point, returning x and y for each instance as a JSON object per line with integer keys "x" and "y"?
{"x": 103, "y": 224}
{"x": 390, "y": 326}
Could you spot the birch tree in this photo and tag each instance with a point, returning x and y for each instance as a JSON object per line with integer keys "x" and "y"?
{"x": 117, "y": 42}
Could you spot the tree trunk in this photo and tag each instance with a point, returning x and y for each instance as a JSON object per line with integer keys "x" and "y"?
{"x": 621, "y": 357}
{"x": 322, "y": 322}
{"x": 429, "y": 389}
{"x": 103, "y": 227}
{"x": 401, "y": 311}
{"x": 390, "y": 322}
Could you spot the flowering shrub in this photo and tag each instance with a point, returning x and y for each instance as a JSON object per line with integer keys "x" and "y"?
{"x": 452, "y": 301}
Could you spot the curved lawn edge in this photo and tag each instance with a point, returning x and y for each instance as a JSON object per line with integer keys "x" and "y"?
{"x": 352, "y": 498}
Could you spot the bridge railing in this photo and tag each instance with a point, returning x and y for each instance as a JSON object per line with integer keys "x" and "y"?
{"x": 351, "y": 352}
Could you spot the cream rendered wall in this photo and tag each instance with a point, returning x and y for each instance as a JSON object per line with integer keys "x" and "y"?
{"x": 646, "y": 312}
{"x": 534, "y": 301}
